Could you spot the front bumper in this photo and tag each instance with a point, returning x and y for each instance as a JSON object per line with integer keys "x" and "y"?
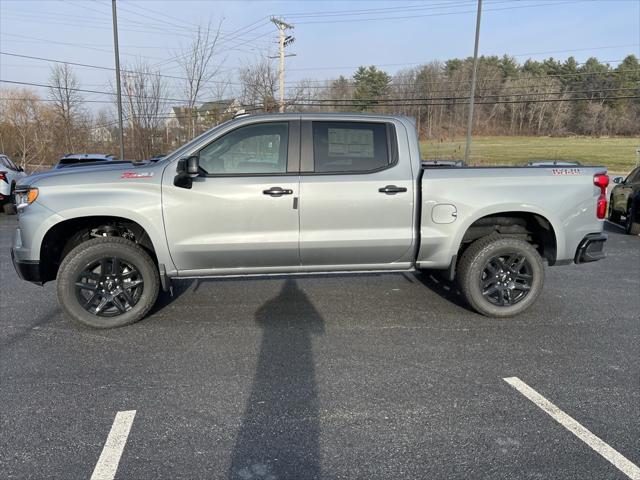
{"x": 591, "y": 248}
{"x": 28, "y": 270}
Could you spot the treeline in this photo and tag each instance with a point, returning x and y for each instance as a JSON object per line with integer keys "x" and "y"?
{"x": 533, "y": 98}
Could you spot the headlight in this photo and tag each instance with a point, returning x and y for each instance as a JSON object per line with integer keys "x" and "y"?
{"x": 25, "y": 196}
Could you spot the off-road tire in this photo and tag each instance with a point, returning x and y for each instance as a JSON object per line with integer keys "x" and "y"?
{"x": 631, "y": 226}
{"x": 472, "y": 264}
{"x": 92, "y": 250}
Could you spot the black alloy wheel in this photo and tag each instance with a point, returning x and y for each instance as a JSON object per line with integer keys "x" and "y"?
{"x": 506, "y": 279}
{"x": 107, "y": 282}
{"x": 109, "y": 287}
{"x": 500, "y": 276}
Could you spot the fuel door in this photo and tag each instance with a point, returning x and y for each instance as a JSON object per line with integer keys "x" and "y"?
{"x": 444, "y": 213}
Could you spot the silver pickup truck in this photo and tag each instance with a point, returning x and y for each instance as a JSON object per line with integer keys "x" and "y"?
{"x": 301, "y": 194}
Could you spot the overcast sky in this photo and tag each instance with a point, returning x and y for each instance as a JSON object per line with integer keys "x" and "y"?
{"x": 332, "y": 37}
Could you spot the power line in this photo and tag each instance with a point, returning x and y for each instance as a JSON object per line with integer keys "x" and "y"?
{"x": 441, "y": 14}
{"x": 494, "y": 102}
{"x": 99, "y": 67}
{"x": 214, "y": 44}
{"x": 32, "y": 84}
{"x": 448, "y": 81}
{"x": 423, "y": 62}
{"x": 360, "y": 101}
{"x": 384, "y": 10}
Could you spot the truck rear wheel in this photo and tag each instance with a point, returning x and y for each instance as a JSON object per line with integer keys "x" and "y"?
{"x": 107, "y": 282}
{"x": 500, "y": 276}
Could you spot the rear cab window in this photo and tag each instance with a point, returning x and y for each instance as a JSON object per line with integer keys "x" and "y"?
{"x": 351, "y": 147}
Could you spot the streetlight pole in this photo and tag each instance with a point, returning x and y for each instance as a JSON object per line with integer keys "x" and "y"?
{"x": 118, "y": 89}
{"x": 467, "y": 149}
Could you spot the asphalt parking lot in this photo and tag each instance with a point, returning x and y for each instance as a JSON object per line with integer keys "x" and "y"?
{"x": 337, "y": 377}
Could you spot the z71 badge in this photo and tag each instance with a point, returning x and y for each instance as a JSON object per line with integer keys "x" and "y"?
{"x": 137, "y": 175}
{"x": 566, "y": 171}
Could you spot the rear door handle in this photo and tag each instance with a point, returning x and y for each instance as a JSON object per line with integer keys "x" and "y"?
{"x": 277, "y": 191}
{"x": 392, "y": 189}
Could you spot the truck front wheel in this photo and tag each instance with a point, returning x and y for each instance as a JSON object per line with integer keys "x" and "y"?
{"x": 107, "y": 282}
{"x": 500, "y": 276}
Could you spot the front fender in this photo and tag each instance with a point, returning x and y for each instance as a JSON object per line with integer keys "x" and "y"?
{"x": 140, "y": 203}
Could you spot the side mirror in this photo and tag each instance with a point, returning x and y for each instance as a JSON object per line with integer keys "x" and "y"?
{"x": 188, "y": 168}
{"x": 618, "y": 180}
{"x": 192, "y": 165}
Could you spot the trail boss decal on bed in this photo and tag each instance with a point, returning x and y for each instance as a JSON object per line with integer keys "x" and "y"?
{"x": 566, "y": 171}
{"x": 130, "y": 175}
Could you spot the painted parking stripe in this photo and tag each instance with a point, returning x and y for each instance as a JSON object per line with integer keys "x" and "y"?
{"x": 113, "y": 447}
{"x": 618, "y": 460}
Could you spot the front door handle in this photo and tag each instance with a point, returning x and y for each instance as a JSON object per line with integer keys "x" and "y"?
{"x": 277, "y": 191}
{"x": 392, "y": 189}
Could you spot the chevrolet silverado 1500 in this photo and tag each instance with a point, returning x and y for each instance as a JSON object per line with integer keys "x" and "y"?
{"x": 301, "y": 194}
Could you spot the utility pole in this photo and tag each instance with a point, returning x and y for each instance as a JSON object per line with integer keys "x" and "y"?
{"x": 284, "y": 41}
{"x": 467, "y": 149}
{"x": 118, "y": 90}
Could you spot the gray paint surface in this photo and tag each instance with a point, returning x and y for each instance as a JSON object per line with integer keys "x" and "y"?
{"x": 227, "y": 226}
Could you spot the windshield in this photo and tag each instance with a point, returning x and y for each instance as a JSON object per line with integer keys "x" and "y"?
{"x": 187, "y": 146}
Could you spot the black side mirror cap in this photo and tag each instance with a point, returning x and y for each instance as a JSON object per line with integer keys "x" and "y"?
{"x": 192, "y": 165}
{"x": 188, "y": 168}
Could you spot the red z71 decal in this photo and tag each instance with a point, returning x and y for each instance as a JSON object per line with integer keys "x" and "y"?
{"x": 137, "y": 175}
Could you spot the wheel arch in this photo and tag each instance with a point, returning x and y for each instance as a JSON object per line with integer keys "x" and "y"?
{"x": 541, "y": 228}
{"x": 61, "y": 237}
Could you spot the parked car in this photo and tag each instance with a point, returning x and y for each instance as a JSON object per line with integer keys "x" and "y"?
{"x": 79, "y": 159}
{"x": 300, "y": 194}
{"x": 10, "y": 173}
{"x": 442, "y": 163}
{"x": 553, "y": 163}
{"x": 625, "y": 201}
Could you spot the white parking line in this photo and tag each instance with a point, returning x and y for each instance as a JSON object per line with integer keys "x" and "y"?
{"x": 618, "y": 460}
{"x": 113, "y": 447}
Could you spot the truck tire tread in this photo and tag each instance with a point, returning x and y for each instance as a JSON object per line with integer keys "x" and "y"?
{"x": 89, "y": 249}
{"x": 470, "y": 268}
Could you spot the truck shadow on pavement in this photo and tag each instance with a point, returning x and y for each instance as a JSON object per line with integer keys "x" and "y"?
{"x": 279, "y": 435}
{"x": 443, "y": 287}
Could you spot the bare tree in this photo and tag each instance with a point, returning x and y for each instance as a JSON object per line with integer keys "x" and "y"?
{"x": 67, "y": 100}
{"x": 144, "y": 91}
{"x": 197, "y": 62}
{"x": 21, "y": 112}
{"x": 259, "y": 85}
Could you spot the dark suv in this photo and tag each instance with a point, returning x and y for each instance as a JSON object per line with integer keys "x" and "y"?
{"x": 625, "y": 201}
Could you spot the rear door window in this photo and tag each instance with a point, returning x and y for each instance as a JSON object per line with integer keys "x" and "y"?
{"x": 634, "y": 176}
{"x": 345, "y": 147}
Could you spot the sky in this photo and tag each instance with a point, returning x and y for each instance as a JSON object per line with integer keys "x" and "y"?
{"x": 332, "y": 38}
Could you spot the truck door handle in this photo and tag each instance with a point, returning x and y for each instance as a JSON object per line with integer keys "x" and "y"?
{"x": 392, "y": 189}
{"x": 277, "y": 191}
